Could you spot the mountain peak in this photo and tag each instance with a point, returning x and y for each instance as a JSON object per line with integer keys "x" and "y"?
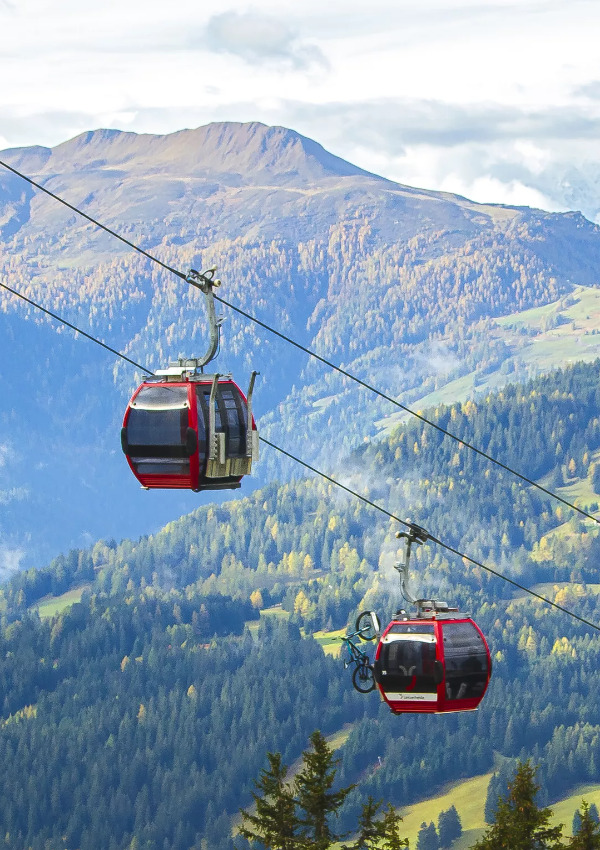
{"x": 256, "y": 148}
{"x": 252, "y": 153}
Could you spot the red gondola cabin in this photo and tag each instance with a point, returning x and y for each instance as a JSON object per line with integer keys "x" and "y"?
{"x": 432, "y": 664}
{"x": 189, "y": 431}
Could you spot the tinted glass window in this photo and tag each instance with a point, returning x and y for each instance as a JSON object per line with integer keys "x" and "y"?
{"x": 157, "y": 427}
{"x": 465, "y": 660}
{"x": 157, "y": 430}
{"x": 202, "y": 411}
{"x": 407, "y": 662}
{"x": 231, "y": 416}
{"x": 235, "y": 415}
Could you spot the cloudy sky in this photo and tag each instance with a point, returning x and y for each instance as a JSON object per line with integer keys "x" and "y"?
{"x": 498, "y": 100}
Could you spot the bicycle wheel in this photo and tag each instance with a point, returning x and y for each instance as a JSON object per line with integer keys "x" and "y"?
{"x": 363, "y": 679}
{"x": 365, "y": 626}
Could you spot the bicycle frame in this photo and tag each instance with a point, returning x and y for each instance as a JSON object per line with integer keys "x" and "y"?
{"x": 355, "y": 655}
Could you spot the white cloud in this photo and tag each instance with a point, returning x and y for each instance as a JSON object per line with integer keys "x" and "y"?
{"x": 13, "y": 494}
{"x": 86, "y": 539}
{"x": 438, "y": 359}
{"x": 10, "y": 561}
{"x": 259, "y": 38}
{"x": 495, "y": 99}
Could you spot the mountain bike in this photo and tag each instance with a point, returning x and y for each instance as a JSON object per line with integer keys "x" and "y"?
{"x": 362, "y": 676}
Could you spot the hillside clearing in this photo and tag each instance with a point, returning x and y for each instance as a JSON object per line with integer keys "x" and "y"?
{"x": 50, "y": 606}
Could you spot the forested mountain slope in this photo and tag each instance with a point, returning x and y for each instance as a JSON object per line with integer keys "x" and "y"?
{"x": 406, "y": 288}
{"x": 135, "y": 723}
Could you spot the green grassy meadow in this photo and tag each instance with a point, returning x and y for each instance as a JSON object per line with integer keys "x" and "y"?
{"x": 275, "y": 611}
{"x": 469, "y": 799}
{"x": 50, "y": 606}
{"x": 330, "y": 641}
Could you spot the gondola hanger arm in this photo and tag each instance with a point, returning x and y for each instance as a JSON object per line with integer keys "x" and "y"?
{"x": 415, "y": 534}
{"x": 205, "y": 281}
{"x": 425, "y": 607}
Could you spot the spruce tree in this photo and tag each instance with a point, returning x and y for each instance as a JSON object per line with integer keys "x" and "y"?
{"x": 275, "y": 824}
{"x": 491, "y": 799}
{"x": 369, "y": 828}
{"x": 449, "y": 827}
{"x": 382, "y": 833}
{"x": 587, "y": 836}
{"x": 593, "y": 813}
{"x": 497, "y": 787}
{"x": 390, "y": 832}
{"x": 315, "y": 797}
{"x": 427, "y": 838}
{"x": 519, "y": 822}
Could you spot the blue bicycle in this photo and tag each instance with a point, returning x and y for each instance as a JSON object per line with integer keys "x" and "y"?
{"x": 362, "y": 677}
